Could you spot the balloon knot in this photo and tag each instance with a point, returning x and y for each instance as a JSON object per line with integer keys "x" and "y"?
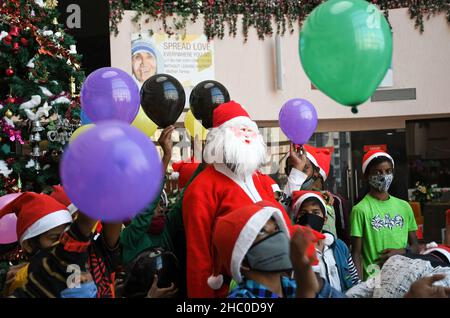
{"x": 354, "y": 110}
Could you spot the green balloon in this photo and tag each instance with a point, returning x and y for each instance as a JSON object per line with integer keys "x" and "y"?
{"x": 346, "y": 49}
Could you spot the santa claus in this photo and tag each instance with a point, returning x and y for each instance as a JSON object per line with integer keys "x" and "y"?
{"x": 234, "y": 150}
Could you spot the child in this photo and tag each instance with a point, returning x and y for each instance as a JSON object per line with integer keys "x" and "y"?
{"x": 253, "y": 245}
{"x": 335, "y": 263}
{"x": 381, "y": 224}
{"x": 42, "y": 224}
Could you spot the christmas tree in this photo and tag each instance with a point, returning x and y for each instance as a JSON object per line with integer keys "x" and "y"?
{"x": 39, "y": 109}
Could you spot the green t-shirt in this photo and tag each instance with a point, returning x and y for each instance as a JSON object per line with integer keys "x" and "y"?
{"x": 383, "y": 225}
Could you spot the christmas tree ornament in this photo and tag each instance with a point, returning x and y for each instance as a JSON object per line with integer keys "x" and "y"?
{"x": 7, "y": 40}
{"x": 24, "y": 41}
{"x": 9, "y": 72}
{"x": 14, "y": 30}
{"x": 3, "y": 34}
{"x": 9, "y": 113}
{"x": 10, "y": 100}
{"x": 37, "y": 126}
{"x": 36, "y": 151}
{"x": 15, "y": 47}
{"x": 37, "y": 166}
{"x": 73, "y": 49}
{"x": 32, "y": 103}
{"x": 51, "y": 4}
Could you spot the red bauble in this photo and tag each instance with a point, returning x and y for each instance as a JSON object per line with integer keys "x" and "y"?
{"x": 9, "y": 72}
{"x": 7, "y": 39}
{"x": 15, "y": 46}
{"x": 10, "y": 100}
{"x": 14, "y": 31}
{"x": 24, "y": 41}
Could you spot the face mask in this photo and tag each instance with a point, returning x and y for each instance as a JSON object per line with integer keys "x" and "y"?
{"x": 308, "y": 183}
{"x": 270, "y": 254}
{"x": 86, "y": 290}
{"x": 314, "y": 221}
{"x": 381, "y": 182}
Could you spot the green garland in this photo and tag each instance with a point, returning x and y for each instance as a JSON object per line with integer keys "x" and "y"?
{"x": 258, "y": 14}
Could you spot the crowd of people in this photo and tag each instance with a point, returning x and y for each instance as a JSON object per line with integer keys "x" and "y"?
{"x": 231, "y": 232}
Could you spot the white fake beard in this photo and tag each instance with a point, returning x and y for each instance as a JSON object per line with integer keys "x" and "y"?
{"x": 222, "y": 146}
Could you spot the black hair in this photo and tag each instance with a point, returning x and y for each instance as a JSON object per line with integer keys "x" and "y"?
{"x": 287, "y": 166}
{"x": 313, "y": 200}
{"x": 375, "y": 162}
{"x": 142, "y": 270}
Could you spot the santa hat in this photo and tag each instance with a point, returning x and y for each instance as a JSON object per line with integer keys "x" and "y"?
{"x": 321, "y": 158}
{"x": 234, "y": 235}
{"x": 60, "y": 195}
{"x": 372, "y": 154}
{"x": 231, "y": 113}
{"x": 185, "y": 171}
{"x": 298, "y": 197}
{"x": 442, "y": 249}
{"x": 36, "y": 214}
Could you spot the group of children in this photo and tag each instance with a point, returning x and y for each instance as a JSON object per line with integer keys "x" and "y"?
{"x": 63, "y": 253}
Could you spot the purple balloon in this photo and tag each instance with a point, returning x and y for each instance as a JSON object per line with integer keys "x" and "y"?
{"x": 8, "y": 222}
{"x": 110, "y": 94}
{"x": 112, "y": 171}
{"x": 298, "y": 120}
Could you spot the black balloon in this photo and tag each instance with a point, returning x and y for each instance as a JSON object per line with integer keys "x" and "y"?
{"x": 205, "y": 97}
{"x": 163, "y": 99}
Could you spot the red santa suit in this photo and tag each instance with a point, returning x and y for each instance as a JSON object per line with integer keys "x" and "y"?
{"x": 215, "y": 192}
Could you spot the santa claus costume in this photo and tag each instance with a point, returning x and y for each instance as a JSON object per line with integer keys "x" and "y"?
{"x": 234, "y": 151}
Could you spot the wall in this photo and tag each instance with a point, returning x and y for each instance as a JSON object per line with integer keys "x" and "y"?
{"x": 420, "y": 61}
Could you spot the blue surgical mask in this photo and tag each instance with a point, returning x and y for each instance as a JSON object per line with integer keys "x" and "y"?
{"x": 86, "y": 290}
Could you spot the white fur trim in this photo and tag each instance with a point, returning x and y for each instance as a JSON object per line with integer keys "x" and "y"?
{"x": 72, "y": 208}
{"x": 440, "y": 250}
{"x": 329, "y": 239}
{"x": 431, "y": 245}
{"x": 375, "y": 155}
{"x": 276, "y": 188}
{"x": 46, "y": 223}
{"x": 174, "y": 175}
{"x": 240, "y": 121}
{"x": 246, "y": 185}
{"x": 300, "y": 200}
{"x": 248, "y": 235}
{"x": 314, "y": 161}
{"x": 215, "y": 282}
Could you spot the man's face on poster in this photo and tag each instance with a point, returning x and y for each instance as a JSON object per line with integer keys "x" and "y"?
{"x": 144, "y": 65}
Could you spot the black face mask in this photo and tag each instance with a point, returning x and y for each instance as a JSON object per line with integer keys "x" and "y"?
{"x": 314, "y": 221}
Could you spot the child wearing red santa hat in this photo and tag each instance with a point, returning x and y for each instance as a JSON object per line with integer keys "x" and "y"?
{"x": 252, "y": 244}
{"x": 335, "y": 263}
{"x": 45, "y": 233}
{"x": 381, "y": 224}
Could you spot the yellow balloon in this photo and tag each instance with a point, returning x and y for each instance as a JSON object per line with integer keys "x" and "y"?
{"x": 144, "y": 124}
{"x": 80, "y": 130}
{"x": 193, "y": 126}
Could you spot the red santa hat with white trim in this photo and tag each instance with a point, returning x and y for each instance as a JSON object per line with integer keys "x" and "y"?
{"x": 443, "y": 250}
{"x": 373, "y": 154}
{"x": 298, "y": 197}
{"x": 231, "y": 114}
{"x": 321, "y": 158}
{"x": 36, "y": 214}
{"x": 59, "y": 194}
{"x": 233, "y": 236}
